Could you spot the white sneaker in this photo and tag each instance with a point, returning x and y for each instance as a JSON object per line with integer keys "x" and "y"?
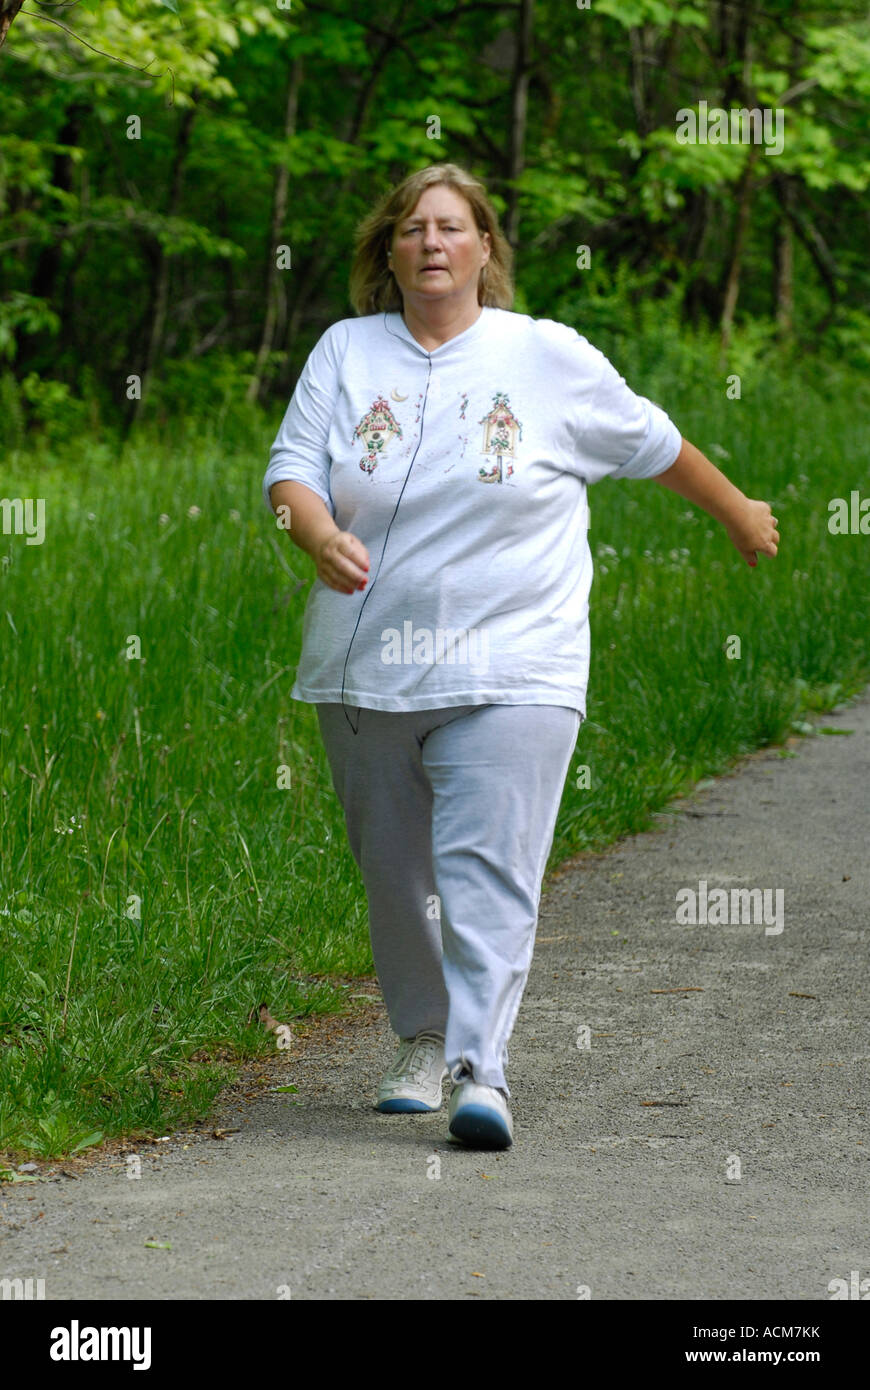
{"x": 413, "y": 1082}
{"x": 479, "y": 1116}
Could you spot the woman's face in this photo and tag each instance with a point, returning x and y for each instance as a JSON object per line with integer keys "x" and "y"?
{"x": 440, "y": 231}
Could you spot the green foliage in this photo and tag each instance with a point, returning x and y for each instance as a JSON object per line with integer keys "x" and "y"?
{"x": 200, "y": 393}
{"x": 40, "y": 407}
{"x": 12, "y": 421}
{"x": 849, "y": 337}
{"x": 633, "y": 13}
{"x": 97, "y": 212}
{"x": 52, "y": 409}
{"x": 23, "y": 313}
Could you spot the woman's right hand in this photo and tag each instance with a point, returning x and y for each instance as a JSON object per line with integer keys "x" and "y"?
{"x": 342, "y": 562}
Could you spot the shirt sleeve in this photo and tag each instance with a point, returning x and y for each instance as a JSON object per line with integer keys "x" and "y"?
{"x": 299, "y": 453}
{"x": 619, "y": 434}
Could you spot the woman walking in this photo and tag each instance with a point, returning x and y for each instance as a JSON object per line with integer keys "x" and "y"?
{"x": 455, "y": 440}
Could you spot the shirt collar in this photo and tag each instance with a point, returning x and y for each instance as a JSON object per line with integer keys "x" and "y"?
{"x": 396, "y": 324}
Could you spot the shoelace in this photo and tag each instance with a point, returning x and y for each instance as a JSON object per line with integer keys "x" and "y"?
{"x": 415, "y": 1060}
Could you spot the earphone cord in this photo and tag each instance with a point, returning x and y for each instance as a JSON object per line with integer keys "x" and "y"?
{"x": 384, "y": 546}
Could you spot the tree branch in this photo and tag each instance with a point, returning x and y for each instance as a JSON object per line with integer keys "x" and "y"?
{"x": 47, "y": 19}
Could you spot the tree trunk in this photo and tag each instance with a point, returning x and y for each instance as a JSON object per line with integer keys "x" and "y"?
{"x": 519, "y": 112}
{"x": 735, "y": 22}
{"x": 741, "y": 224}
{"x": 697, "y": 292}
{"x": 47, "y": 272}
{"x": 783, "y": 245}
{"x": 638, "y": 43}
{"x": 48, "y": 264}
{"x": 276, "y": 299}
{"x": 783, "y": 265}
{"x": 161, "y": 262}
{"x": 823, "y": 260}
{"x": 8, "y": 11}
{"x": 229, "y": 275}
{"x": 320, "y": 262}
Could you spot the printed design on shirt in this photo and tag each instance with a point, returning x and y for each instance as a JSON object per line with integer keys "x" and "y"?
{"x": 377, "y": 427}
{"x": 501, "y": 431}
{"x": 461, "y": 439}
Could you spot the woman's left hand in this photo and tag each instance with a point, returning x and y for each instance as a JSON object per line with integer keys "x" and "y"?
{"x": 753, "y": 530}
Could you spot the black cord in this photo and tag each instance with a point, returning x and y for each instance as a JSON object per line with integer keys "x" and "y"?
{"x": 383, "y": 548}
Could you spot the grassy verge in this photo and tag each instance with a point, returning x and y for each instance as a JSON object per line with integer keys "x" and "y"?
{"x": 156, "y": 881}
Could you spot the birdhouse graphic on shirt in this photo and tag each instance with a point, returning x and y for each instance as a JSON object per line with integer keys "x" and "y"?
{"x": 501, "y": 430}
{"x": 376, "y": 429}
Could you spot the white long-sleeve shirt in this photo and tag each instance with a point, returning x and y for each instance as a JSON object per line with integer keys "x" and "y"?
{"x": 480, "y": 594}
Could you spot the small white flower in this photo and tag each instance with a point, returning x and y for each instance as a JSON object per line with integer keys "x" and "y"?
{"x": 193, "y": 511}
{"x": 163, "y": 519}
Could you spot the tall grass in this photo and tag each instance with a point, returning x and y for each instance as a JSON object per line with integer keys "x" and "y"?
{"x": 156, "y": 881}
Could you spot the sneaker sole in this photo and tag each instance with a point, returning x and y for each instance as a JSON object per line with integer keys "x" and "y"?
{"x": 479, "y": 1125}
{"x": 405, "y": 1107}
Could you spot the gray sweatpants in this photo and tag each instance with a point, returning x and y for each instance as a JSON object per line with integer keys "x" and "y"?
{"x": 450, "y": 814}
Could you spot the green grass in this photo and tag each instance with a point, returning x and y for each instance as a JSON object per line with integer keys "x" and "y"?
{"x": 155, "y": 881}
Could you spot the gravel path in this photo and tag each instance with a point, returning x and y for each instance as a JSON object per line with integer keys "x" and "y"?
{"x": 710, "y": 1141}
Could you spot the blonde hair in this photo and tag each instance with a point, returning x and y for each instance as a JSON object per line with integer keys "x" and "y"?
{"x": 372, "y": 286}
